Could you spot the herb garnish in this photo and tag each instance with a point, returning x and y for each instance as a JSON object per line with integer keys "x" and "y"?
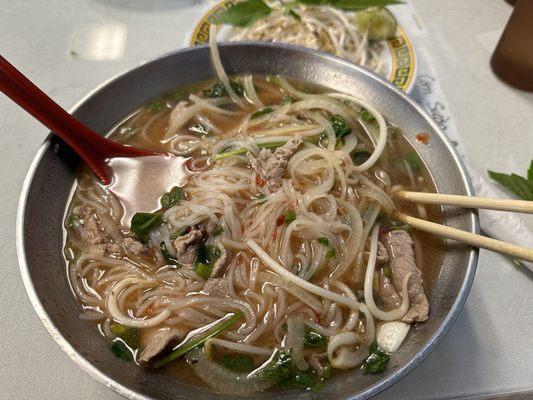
{"x": 142, "y": 223}
{"x": 376, "y": 361}
{"x": 340, "y": 126}
{"x": 366, "y": 115}
{"x": 219, "y": 90}
{"x": 324, "y": 241}
{"x": 172, "y": 198}
{"x": 248, "y": 11}
{"x": 238, "y": 362}
{"x": 260, "y": 113}
{"x": 518, "y": 185}
{"x": 314, "y": 339}
{"x": 413, "y": 160}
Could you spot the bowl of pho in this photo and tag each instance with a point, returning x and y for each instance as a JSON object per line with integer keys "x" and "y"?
{"x": 271, "y": 263}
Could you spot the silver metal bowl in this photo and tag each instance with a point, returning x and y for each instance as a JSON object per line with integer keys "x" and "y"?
{"x": 51, "y": 177}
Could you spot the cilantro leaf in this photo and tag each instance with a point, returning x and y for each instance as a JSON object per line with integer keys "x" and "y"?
{"x": 172, "y": 198}
{"x": 376, "y": 361}
{"x": 340, "y": 126}
{"x": 142, "y": 223}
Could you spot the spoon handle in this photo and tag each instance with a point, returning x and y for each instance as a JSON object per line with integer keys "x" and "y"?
{"x": 89, "y": 145}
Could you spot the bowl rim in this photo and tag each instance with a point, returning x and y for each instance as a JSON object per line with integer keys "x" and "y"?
{"x": 370, "y": 391}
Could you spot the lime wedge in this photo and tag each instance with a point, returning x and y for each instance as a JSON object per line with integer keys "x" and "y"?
{"x": 379, "y": 22}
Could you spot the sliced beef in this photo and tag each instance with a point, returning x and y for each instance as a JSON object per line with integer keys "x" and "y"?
{"x": 387, "y": 294}
{"x": 217, "y": 287}
{"x": 91, "y": 232}
{"x": 159, "y": 341}
{"x": 220, "y": 264}
{"x": 271, "y": 165}
{"x": 383, "y": 254}
{"x": 187, "y": 246}
{"x": 135, "y": 247}
{"x": 402, "y": 261}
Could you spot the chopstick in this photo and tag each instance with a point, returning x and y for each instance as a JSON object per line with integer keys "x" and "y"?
{"x": 466, "y": 201}
{"x": 466, "y": 237}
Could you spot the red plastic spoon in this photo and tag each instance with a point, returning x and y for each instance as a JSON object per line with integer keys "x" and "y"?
{"x": 94, "y": 149}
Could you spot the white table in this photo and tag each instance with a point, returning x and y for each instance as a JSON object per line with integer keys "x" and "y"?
{"x": 490, "y": 349}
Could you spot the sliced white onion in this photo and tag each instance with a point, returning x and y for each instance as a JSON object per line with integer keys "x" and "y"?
{"x": 391, "y": 335}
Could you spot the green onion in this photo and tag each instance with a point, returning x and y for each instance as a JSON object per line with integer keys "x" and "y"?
{"x": 290, "y": 216}
{"x": 238, "y": 362}
{"x": 314, "y": 339}
{"x": 72, "y": 222}
{"x": 340, "y": 126}
{"x": 156, "y": 106}
{"x": 260, "y": 113}
{"x": 366, "y": 115}
{"x": 259, "y": 196}
{"x": 179, "y": 95}
{"x": 217, "y": 231}
{"x": 203, "y": 270}
{"x": 128, "y": 334}
{"x": 376, "y": 361}
{"x": 331, "y": 254}
{"x": 323, "y": 241}
{"x": 414, "y": 161}
{"x": 387, "y": 271}
{"x": 195, "y": 342}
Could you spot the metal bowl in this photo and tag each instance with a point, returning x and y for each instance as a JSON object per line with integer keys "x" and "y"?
{"x": 50, "y": 180}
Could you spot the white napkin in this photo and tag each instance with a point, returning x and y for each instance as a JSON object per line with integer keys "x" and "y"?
{"x": 501, "y": 225}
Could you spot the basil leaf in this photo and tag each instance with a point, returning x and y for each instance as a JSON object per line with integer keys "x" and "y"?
{"x": 516, "y": 184}
{"x": 143, "y": 223}
{"x": 172, "y": 198}
{"x": 260, "y": 113}
{"x": 245, "y": 13}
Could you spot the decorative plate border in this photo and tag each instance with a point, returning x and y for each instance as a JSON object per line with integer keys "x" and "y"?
{"x": 400, "y": 47}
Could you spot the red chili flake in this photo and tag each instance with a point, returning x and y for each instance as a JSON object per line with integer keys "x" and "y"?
{"x": 274, "y": 235}
{"x": 423, "y": 138}
{"x": 150, "y": 309}
{"x": 260, "y": 182}
{"x": 280, "y": 220}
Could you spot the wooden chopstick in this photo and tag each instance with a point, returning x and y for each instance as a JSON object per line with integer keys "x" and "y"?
{"x": 466, "y": 237}
{"x": 466, "y": 201}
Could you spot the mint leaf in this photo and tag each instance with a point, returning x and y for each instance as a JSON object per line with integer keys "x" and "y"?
{"x": 520, "y": 186}
{"x": 245, "y": 13}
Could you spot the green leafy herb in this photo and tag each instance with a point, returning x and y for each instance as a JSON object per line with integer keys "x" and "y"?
{"x": 248, "y": 11}
{"x": 376, "y": 361}
{"x": 208, "y": 254}
{"x": 194, "y": 342}
{"x": 121, "y": 350}
{"x": 179, "y": 95}
{"x": 414, "y": 161}
{"x": 314, "y": 339}
{"x": 128, "y": 334}
{"x": 217, "y": 231}
{"x": 518, "y": 185}
{"x": 74, "y": 54}
{"x": 219, "y": 90}
{"x": 245, "y": 13}
{"x": 72, "y": 221}
{"x": 167, "y": 256}
{"x": 340, "y": 126}
{"x": 366, "y": 115}
{"x": 238, "y": 362}
{"x": 331, "y": 254}
{"x": 260, "y": 113}
{"x": 142, "y": 223}
{"x": 387, "y": 271}
{"x": 280, "y": 367}
{"x": 287, "y": 99}
{"x": 179, "y": 232}
{"x": 323, "y": 241}
{"x": 290, "y": 216}
{"x": 242, "y": 150}
{"x": 172, "y": 198}
{"x": 199, "y": 128}
{"x": 203, "y": 270}
{"x": 156, "y": 106}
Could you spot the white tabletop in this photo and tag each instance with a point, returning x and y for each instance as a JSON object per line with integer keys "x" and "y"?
{"x": 56, "y": 43}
